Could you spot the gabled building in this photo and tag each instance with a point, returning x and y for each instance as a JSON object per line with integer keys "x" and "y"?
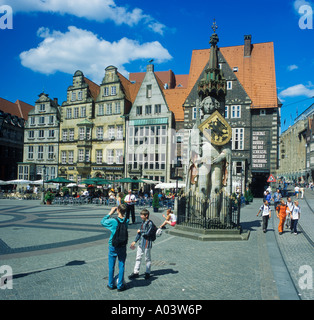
{"x": 149, "y": 137}
{"x": 76, "y": 128}
{"x": 252, "y": 108}
{"x": 112, "y": 106}
{"x": 41, "y": 141}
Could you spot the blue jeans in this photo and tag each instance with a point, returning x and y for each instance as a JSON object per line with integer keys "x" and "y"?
{"x": 113, "y": 254}
{"x": 294, "y": 224}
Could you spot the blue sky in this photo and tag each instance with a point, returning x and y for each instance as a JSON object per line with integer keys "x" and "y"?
{"x": 51, "y": 39}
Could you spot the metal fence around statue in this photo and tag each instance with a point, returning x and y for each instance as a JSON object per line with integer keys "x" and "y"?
{"x": 221, "y": 212}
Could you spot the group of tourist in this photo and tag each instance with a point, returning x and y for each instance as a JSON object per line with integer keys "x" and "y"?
{"x": 288, "y": 212}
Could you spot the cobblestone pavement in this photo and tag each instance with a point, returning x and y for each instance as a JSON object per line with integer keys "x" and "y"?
{"x": 60, "y": 252}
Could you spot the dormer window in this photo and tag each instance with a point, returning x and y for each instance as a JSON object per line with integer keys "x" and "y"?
{"x": 235, "y": 69}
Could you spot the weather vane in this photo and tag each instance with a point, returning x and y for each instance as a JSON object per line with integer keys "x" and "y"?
{"x": 214, "y": 27}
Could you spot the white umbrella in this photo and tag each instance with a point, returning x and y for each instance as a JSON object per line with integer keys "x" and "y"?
{"x": 19, "y": 181}
{"x": 169, "y": 185}
{"x": 70, "y": 185}
{"x": 150, "y": 181}
{"x": 39, "y": 182}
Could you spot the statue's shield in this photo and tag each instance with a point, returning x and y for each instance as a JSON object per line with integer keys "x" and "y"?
{"x": 216, "y": 129}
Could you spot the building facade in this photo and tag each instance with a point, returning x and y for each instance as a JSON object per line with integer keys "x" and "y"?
{"x": 11, "y": 144}
{"x": 150, "y": 133}
{"x": 41, "y": 141}
{"x": 112, "y": 106}
{"x": 76, "y": 128}
{"x": 297, "y": 149}
{"x": 251, "y": 108}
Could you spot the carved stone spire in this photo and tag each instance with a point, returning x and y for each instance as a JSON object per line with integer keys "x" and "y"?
{"x": 213, "y": 84}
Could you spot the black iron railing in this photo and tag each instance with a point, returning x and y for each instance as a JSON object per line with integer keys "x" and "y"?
{"x": 222, "y": 212}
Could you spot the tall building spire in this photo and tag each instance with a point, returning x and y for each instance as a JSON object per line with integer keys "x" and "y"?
{"x": 213, "y": 84}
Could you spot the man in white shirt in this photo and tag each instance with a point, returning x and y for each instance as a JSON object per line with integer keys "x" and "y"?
{"x": 266, "y": 213}
{"x": 130, "y": 200}
{"x": 290, "y": 206}
{"x": 295, "y": 216}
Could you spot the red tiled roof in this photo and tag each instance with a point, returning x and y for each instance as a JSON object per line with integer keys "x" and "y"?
{"x": 165, "y": 76}
{"x": 256, "y": 73}
{"x": 130, "y": 89}
{"x": 93, "y": 88}
{"x": 19, "y": 108}
{"x": 175, "y": 99}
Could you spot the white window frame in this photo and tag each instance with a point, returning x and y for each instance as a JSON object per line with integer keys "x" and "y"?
{"x": 119, "y": 154}
{"x": 100, "y": 133}
{"x": 235, "y": 112}
{"x": 63, "y": 157}
{"x": 65, "y": 135}
{"x": 111, "y": 132}
{"x": 238, "y": 139}
{"x": 71, "y": 134}
{"x": 119, "y": 132}
{"x": 110, "y": 156}
{"x": 69, "y": 113}
{"x": 50, "y": 152}
{"x": 99, "y": 156}
{"x": 40, "y": 152}
{"x": 109, "y": 108}
{"x": 81, "y": 155}
{"x": 30, "y": 152}
{"x": 113, "y": 91}
{"x": 117, "y": 107}
{"x": 82, "y": 133}
{"x": 71, "y": 156}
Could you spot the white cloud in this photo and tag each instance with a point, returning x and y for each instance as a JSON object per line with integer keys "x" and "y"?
{"x": 84, "y": 50}
{"x": 98, "y": 10}
{"x": 298, "y": 90}
{"x": 293, "y": 67}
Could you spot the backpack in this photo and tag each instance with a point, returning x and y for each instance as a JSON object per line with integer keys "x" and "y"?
{"x": 120, "y": 238}
{"x": 152, "y": 234}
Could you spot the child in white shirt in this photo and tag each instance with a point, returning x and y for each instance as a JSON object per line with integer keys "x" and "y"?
{"x": 295, "y": 216}
{"x": 266, "y": 213}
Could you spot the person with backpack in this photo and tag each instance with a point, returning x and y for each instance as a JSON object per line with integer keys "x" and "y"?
{"x": 266, "y": 213}
{"x": 146, "y": 234}
{"x": 117, "y": 244}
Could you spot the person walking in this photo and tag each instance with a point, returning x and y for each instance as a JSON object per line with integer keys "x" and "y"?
{"x": 144, "y": 247}
{"x": 296, "y": 191}
{"x": 116, "y": 251}
{"x": 288, "y": 218}
{"x": 277, "y": 197}
{"x": 281, "y": 212}
{"x": 295, "y": 216}
{"x": 266, "y": 214}
{"x": 130, "y": 201}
